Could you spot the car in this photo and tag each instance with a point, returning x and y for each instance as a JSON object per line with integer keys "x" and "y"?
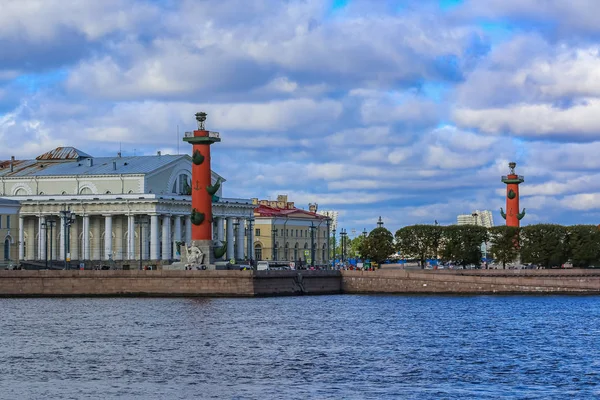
{"x": 262, "y": 266}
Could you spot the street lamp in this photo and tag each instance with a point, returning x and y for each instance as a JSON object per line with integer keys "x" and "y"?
{"x": 68, "y": 219}
{"x": 334, "y": 243}
{"x": 273, "y": 246}
{"x": 49, "y": 223}
{"x": 141, "y": 221}
{"x": 312, "y": 244}
{"x": 343, "y": 234}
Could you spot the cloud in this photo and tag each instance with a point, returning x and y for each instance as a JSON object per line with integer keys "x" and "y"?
{"x": 411, "y": 115}
{"x": 565, "y": 18}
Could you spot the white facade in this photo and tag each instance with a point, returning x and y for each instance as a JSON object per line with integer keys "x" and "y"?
{"x": 478, "y": 217}
{"x": 123, "y": 208}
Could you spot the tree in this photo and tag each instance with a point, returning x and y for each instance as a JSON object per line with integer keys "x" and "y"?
{"x": 419, "y": 242}
{"x": 355, "y": 246}
{"x": 544, "y": 245}
{"x": 462, "y": 243}
{"x": 584, "y": 245}
{"x": 378, "y": 245}
{"x": 505, "y": 243}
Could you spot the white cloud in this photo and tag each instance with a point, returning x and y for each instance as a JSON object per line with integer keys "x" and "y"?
{"x": 536, "y": 120}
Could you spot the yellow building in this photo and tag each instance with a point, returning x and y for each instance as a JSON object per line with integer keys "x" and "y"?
{"x": 284, "y": 233}
{"x": 9, "y": 232}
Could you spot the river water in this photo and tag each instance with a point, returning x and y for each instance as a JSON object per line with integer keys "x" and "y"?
{"x": 324, "y": 347}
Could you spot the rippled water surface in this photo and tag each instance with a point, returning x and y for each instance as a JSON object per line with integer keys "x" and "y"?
{"x": 327, "y": 347}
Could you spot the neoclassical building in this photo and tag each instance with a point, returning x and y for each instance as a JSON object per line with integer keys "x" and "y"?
{"x": 91, "y": 210}
{"x": 285, "y": 233}
{"x": 9, "y": 214}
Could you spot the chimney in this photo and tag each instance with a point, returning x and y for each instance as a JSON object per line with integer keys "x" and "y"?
{"x": 158, "y": 153}
{"x": 89, "y": 162}
{"x": 12, "y": 160}
{"x": 114, "y": 165}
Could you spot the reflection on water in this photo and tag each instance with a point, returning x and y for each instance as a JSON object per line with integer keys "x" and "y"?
{"x": 327, "y": 347}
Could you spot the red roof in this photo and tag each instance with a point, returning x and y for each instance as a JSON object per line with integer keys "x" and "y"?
{"x": 266, "y": 211}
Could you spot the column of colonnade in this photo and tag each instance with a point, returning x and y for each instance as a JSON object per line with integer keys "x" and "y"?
{"x": 89, "y": 239}
{"x": 237, "y": 232}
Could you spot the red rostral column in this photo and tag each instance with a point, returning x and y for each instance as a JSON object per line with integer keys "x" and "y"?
{"x": 512, "y": 181}
{"x": 202, "y": 189}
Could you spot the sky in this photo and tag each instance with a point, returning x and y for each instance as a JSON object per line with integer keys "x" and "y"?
{"x": 405, "y": 109}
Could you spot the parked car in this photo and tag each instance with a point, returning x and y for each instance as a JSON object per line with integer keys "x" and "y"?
{"x": 262, "y": 266}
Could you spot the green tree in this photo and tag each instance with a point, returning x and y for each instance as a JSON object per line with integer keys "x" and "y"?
{"x": 583, "y": 245}
{"x": 355, "y": 246}
{"x": 544, "y": 245}
{"x": 419, "y": 242}
{"x": 462, "y": 243}
{"x": 378, "y": 245}
{"x": 505, "y": 243}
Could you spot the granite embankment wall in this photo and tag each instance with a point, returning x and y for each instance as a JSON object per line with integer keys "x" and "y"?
{"x": 279, "y": 283}
{"x": 126, "y": 283}
{"x": 472, "y": 281}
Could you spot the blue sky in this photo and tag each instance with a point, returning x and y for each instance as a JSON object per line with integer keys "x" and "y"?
{"x": 401, "y": 108}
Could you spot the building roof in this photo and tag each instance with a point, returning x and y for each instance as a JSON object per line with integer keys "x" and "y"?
{"x": 63, "y": 153}
{"x": 68, "y": 161}
{"x": 8, "y": 202}
{"x": 266, "y": 211}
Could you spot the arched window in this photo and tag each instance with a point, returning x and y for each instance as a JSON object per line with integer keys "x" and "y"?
{"x": 108, "y": 192}
{"x": 182, "y": 185}
{"x": 7, "y": 249}
{"x": 323, "y": 257}
{"x": 275, "y": 251}
{"x": 305, "y": 248}
{"x": 20, "y": 192}
{"x": 85, "y": 190}
{"x": 63, "y": 192}
{"x": 286, "y": 253}
{"x": 296, "y": 252}
{"x": 258, "y": 252}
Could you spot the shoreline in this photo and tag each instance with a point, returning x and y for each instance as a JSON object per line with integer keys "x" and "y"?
{"x": 163, "y": 283}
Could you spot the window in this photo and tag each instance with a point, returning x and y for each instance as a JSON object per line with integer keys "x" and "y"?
{"x": 6, "y": 249}
{"x": 20, "y": 192}
{"x": 108, "y": 192}
{"x": 323, "y": 258}
{"x": 258, "y": 252}
{"x": 296, "y": 252}
{"x": 257, "y": 233}
{"x": 286, "y": 253}
{"x": 183, "y": 184}
{"x": 275, "y": 251}
{"x": 8, "y": 222}
{"x": 85, "y": 190}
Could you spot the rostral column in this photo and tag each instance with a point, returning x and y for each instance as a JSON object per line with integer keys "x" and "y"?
{"x": 202, "y": 189}
{"x": 512, "y": 216}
